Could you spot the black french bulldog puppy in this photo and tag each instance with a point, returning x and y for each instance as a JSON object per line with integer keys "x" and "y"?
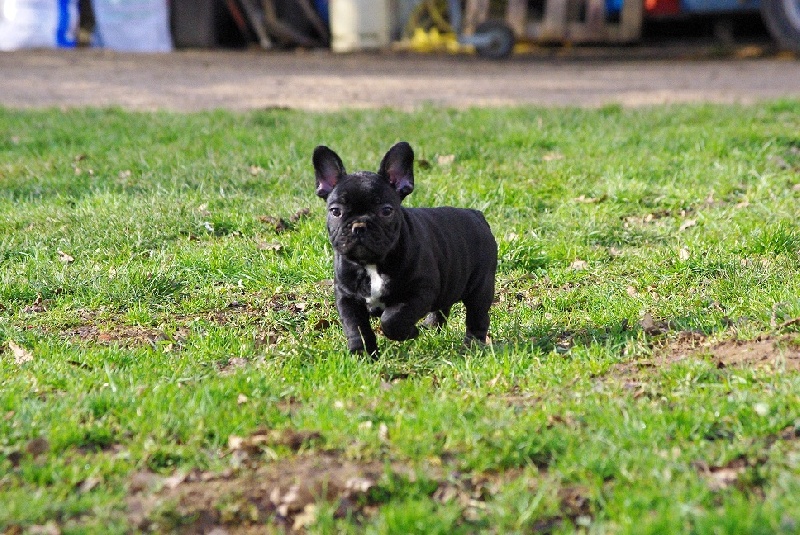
{"x": 402, "y": 264}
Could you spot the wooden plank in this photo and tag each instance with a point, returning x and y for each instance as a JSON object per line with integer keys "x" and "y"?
{"x": 477, "y": 11}
{"x": 580, "y": 32}
{"x": 554, "y": 24}
{"x": 517, "y": 16}
{"x": 596, "y": 16}
{"x": 631, "y": 20}
{"x": 557, "y": 25}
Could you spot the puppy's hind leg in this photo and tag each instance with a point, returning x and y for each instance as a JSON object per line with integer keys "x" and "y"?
{"x": 477, "y": 308}
{"x": 436, "y": 319}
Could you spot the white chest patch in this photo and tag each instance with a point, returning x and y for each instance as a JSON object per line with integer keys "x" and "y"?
{"x": 376, "y": 286}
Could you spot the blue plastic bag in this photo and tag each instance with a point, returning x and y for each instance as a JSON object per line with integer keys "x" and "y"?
{"x": 132, "y": 25}
{"x": 38, "y": 24}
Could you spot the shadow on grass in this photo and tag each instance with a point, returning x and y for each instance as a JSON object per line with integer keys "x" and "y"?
{"x": 647, "y": 331}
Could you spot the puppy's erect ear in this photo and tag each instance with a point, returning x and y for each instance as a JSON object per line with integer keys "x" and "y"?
{"x": 328, "y": 169}
{"x": 398, "y": 168}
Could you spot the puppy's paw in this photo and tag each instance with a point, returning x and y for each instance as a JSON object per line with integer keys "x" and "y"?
{"x": 358, "y": 346}
{"x": 434, "y": 320}
{"x": 471, "y": 340}
{"x": 397, "y": 331}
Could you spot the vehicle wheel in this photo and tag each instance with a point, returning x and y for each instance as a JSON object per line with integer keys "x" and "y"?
{"x": 782, "y": 18}
{"x": 501, "y": 39}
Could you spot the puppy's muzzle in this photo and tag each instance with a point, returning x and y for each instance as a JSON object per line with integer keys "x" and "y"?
{"x": 358, "y": 228}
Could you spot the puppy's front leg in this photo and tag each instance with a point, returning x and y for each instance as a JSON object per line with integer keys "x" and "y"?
{"x": 399, "y": 322}
{"x": 355, "y": 320}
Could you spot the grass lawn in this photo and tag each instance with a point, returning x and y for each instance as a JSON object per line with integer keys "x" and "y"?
{"x": 171, "y": 359}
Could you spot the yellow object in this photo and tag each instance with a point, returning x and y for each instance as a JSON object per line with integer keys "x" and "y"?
{"x": 428, "y": 30}
{"x": 434, "y": 41}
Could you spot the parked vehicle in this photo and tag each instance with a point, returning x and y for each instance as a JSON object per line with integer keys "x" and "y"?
{"x": 602, "y": 21}
{"x": 782, "y": 18}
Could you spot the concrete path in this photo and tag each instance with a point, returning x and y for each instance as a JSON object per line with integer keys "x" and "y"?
{"x": 320, "y": 80}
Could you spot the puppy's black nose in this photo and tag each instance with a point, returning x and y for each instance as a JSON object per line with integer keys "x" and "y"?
{"x": 358, "y": 228}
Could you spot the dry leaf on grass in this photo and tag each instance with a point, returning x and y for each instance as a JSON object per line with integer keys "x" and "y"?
{"x": 779, "y": 162}
{"x": 651, "y": 326}
{"x": 322, "y": 325}
{"x": 265, "y": 438}
{"x": 280, "y": 224}
{"x": 38, "y": 446}
{"x": 383, "y": 432}
{"x": 567, "y": 419}
{"x": 721, "y": 477}
{"x": 305, "y": 518}
{"x": 37, "y": 306}
{"x": 51, "y": 528}
{"x": 264, "y": 339}
{"x": 233, "y": 363}
{"x": 269, "y": 246}
{"x": 21, "y": 355}
{"x": 88, "y": 484}
{"x": 277, "y": 223}
{"x": 174, "y": 480}
{"x": 143, "y": 481}
{"x": 583, "y": 199}
{"x": 445, "y": 159}
{"x": 300, "y": 214}
{"x": 64, "y": 257}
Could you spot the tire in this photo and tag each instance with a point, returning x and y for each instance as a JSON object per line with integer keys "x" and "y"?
{"x": 501, "y": 39}
{"x": 782, "y": 18}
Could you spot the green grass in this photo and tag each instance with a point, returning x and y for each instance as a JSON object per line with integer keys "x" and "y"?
{"x": 184, "y": 317}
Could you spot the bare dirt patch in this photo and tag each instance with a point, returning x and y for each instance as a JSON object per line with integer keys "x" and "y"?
{"x": 122, "y": 335}
{"x": 256, "y": 493}
{"x": 775, "y": 352}
{"x": 288, "y": 494}
{"x": 102, "y": 327}
{"x": 283, "y": 494}
{"x": 741, "y": 471}
{"x": 767, "y": 352}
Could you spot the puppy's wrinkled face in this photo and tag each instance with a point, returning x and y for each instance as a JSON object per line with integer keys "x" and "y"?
{"x": 364, "y": 217}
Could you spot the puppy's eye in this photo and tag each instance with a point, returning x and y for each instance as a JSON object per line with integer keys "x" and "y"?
{"x": 335, "y": 211}
{"x": 386, "y": 211}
